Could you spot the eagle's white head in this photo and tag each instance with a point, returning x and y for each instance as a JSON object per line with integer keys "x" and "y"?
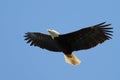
{"x": 53, "y": 33}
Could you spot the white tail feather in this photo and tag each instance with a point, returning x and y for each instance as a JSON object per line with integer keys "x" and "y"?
{"x": 72, "y": 59}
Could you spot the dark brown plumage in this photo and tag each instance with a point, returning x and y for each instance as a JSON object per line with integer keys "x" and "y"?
{"x": 87, "y": 37}
{"x": 41, "y": 40}
{"x": 82, "y": 39}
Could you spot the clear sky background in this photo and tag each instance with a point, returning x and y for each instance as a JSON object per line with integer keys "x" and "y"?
{"x": 19, "y": 61}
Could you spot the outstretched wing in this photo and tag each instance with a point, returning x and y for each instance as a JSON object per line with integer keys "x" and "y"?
{"x": 88, "y": 37}
{"x": 41, "y": 40}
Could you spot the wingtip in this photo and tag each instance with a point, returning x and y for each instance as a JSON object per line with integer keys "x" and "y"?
{"x": 102, "y": 24}
{"x": 26, "y": 34}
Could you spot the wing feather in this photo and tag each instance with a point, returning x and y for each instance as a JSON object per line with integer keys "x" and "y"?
{"x": 41, "y": 40}
{"x": 88, "y": 37}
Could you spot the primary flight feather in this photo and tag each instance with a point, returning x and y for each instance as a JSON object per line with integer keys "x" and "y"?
{"x": 82, "y": 39}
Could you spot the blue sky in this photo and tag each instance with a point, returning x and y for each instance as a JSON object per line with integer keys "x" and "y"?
{"x": 19, "y": 61}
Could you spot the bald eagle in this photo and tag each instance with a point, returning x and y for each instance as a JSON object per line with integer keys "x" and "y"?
{"x": 82, "y": 39}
